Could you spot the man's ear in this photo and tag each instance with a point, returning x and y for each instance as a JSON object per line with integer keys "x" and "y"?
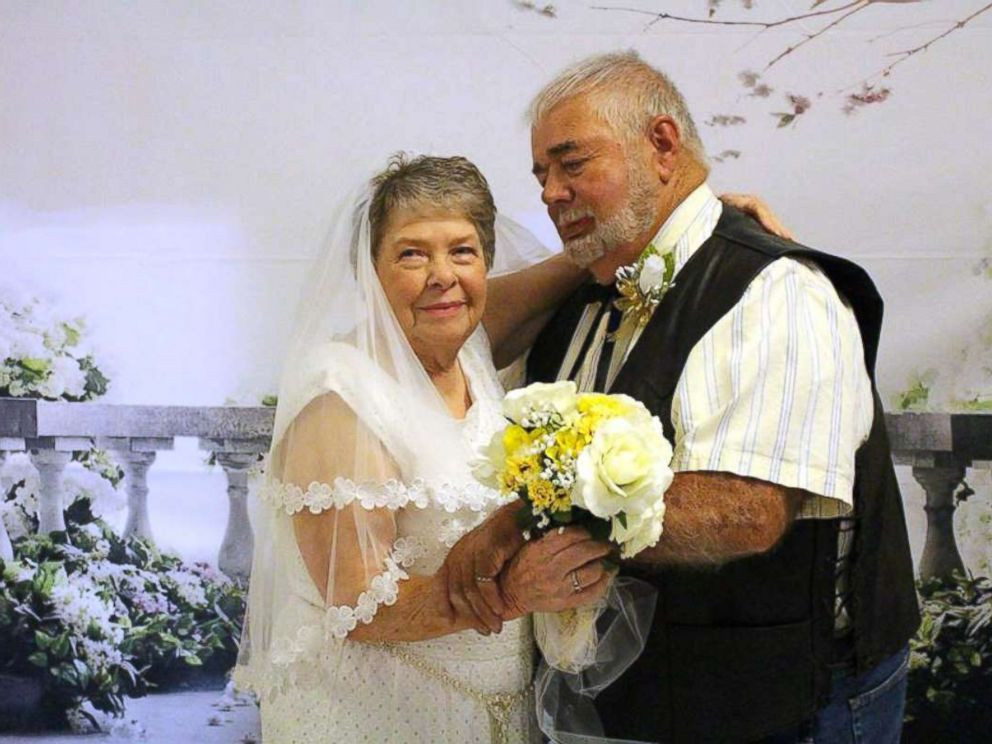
{"x": 666, "y": 144}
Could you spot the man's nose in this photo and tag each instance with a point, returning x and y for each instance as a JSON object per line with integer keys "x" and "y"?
{"x": 556, "y": 189}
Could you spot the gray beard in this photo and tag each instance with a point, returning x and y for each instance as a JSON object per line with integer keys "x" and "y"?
{"x": 636, "y": 216}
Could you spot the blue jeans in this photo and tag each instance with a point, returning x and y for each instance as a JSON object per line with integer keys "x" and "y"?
{"x": 862, "y": 710}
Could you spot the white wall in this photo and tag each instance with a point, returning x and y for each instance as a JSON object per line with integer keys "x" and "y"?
{"x": 166, "y": 167}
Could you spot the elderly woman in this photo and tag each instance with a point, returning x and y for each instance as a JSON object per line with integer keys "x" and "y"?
{"x": 388, "y": 390}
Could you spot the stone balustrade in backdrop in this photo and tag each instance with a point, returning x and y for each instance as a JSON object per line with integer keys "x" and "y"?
{"x": 940, "y": 448}
{"x": 52, "y": 431}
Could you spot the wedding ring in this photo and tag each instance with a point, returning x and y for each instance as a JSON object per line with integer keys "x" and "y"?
{"x": 484, "y": 579}
{"x": 576, "y": 586}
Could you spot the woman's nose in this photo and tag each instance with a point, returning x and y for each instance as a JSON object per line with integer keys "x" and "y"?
{"x": 441, "y": 275}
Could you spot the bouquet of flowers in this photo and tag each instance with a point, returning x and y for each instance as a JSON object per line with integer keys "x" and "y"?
{"x": 594, "y": 460}
{"x": 42, "y": 356}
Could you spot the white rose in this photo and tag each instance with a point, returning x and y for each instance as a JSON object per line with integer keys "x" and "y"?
{"x": 642, "y": 531}
{"x": 559, "y": 396}
{"x": 489, "y": 461}
{"x": 624, "y": 468}
{"x": 652, "y": 273}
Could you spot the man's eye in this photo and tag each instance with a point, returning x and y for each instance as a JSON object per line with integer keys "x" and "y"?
{"x": 573, "y": 166}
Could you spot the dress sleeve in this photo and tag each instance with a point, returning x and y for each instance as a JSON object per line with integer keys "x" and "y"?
{"x": 778, "y": 390}
{"x": 339, "y": 490}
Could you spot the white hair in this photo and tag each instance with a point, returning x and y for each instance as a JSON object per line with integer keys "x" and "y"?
{"x": 626, "y": 92}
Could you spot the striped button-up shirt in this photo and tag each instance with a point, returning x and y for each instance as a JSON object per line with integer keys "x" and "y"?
{"x": 776, "y": 390}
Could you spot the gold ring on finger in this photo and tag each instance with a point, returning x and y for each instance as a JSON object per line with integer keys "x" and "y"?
{"x": 576, "y": 586}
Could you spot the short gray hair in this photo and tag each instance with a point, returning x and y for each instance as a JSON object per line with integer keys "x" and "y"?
{"x": 626, "y": 92}
{"x": 453, "y": 184}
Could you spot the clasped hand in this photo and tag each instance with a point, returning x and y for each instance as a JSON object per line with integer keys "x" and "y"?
{"x": 494, "y": 575}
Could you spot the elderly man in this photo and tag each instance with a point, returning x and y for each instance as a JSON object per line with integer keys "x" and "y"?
{"x": 786, "y": 595}
{"x": 785, "y": 584}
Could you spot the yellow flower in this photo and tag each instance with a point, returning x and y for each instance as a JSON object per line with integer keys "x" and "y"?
{"x": 602, "y": 405}
{"x": 586, "y": 426}
{"x": 545, "y": 496}
{"x": 514, "y": 438}
{"x": 518, "y": 471}
{"x": 541, "y": 493}
{"x": 568, "y": 441}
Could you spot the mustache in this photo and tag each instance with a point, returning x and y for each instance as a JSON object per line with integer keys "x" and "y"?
{"x": 572, "y": 215}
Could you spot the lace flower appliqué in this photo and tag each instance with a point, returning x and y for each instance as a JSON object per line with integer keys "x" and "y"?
{"x": 339, "y": 621}
{"x": 392, "y": 494}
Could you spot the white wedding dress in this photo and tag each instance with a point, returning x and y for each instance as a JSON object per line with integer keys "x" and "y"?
{"x": 314, "y": 683}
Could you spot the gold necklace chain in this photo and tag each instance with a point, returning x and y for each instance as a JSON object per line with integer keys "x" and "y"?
{"x": 498, "y": 704}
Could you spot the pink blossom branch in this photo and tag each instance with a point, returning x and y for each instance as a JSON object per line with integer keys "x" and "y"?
{"x": 753, "y": 24}
{"x": 906, "y": 54}
{"x": 548, "y": 11}
{"x": 810, "y": 37}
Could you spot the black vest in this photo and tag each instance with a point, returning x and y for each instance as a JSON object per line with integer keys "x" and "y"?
{"x": 744, "y": 650}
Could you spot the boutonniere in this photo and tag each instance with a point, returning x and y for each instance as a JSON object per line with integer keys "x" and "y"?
{"x": 642, "y": 284}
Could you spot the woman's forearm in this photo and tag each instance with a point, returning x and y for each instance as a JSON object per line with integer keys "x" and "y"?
{"x": 518, "y": 304}
{"x": 416, "y": 615}
{"x": 419, "y": 610}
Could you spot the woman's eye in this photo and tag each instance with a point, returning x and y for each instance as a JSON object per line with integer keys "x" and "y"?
{"x": 465, "y": 253}
{"x": 410, "y": 253}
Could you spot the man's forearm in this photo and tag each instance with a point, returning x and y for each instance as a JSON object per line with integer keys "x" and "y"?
{"x": 714, "y": 517}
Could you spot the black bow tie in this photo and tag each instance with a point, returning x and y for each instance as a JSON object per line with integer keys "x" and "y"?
{"x": 596, "y": 292}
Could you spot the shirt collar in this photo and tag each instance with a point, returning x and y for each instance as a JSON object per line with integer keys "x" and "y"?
{"x": 690, "y": 225}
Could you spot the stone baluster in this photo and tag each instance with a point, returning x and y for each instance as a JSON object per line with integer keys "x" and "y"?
{"x": 135, "y": 466}
{"x": 51, "y": 500}
{"x": 234, "y": 557}
{"x": 135, "y": 456}
{"x": 50, "y": 455}
{"x": 6, "y": 549}
{"x": 940, "y": 551}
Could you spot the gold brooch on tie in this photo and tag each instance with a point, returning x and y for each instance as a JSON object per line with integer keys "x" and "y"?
{"x": 642, "y": 284}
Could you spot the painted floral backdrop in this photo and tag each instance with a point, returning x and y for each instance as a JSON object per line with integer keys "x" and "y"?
{"x": 168, "y": 172}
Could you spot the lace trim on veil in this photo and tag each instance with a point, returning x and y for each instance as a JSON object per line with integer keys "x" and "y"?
{"x": 300, "y": 656}
{"x": 392, "y": 494}
{"x": 383, "y": 590}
